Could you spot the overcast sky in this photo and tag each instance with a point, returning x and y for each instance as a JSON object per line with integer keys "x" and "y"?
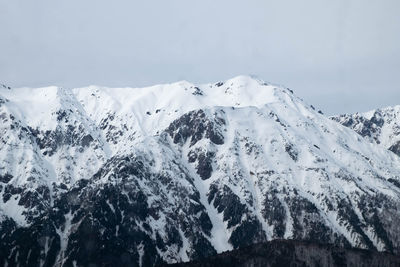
{"x": 341, "y": 56}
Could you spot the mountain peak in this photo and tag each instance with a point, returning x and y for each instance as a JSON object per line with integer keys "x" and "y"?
{"x": 154, "y": 105}
{"x": 380, "y": 126}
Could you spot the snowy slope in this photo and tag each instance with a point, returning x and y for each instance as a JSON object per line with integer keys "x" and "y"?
{"x": 180, "y": 171}
{"x": 381, "y": 126}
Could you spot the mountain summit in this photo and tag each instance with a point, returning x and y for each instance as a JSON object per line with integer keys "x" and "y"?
{"x": 380, "y": 126}
{"x": 176, "y": 172}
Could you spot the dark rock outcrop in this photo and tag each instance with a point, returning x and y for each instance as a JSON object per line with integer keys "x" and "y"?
{"x": 279, "y": 253}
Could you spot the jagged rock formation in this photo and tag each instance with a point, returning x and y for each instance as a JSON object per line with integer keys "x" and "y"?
{"x": 381, "y": 126}
{"x": 170, "y": 173}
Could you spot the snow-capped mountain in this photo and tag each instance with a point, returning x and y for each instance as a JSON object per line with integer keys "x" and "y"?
{"x": 175, "y": 172}
{"x": 380, "y": 126}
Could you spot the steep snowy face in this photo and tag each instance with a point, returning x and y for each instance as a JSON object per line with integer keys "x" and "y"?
{"x": 381, "y": 126}
{"x": 148, "y": 111}
{"x": 176, "y": 172}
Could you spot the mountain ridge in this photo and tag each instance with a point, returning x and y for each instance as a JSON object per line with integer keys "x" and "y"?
{"x": 380, "y": 126}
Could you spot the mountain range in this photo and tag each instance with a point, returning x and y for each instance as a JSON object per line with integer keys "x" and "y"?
{"x": 178, "y": 172}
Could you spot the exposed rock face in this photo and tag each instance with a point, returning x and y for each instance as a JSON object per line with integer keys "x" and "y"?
{"x": 195, "y": 126}
{"x": 381, "y": 126}
{"x": 294, "y": 253}
{"x": 179, "y": 172}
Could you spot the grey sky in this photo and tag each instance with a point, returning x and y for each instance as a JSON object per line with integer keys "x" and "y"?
{"x": 340, "y": 56}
